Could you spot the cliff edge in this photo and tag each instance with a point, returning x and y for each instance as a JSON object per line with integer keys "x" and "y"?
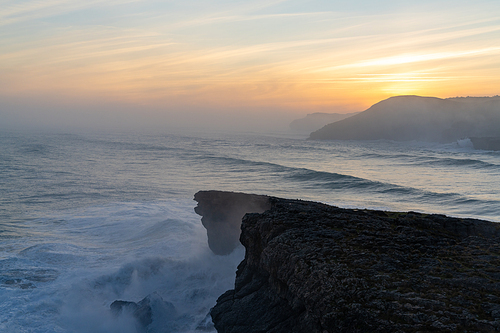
{"x": 310, "y": 267}
{"x": 222, "y": 213}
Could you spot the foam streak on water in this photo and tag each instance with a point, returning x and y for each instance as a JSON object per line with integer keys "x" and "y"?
{"x": 89, "y": 219}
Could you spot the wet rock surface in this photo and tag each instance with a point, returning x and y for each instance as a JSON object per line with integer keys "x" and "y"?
{"x": 222, "y": 213}
{"x": 311, "y": 267}
{"x": 145, "y": 310}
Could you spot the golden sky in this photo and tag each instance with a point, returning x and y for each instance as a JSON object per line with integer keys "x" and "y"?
{"x": 293, "y": 56}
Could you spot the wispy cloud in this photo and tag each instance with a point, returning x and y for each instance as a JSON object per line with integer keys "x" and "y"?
{"x": 214, "y": 19}
{"x": 404, "y": 77}
{"x": 254, "y": 49}
{"x": 415, "y": 58}
{"x": 14, "y": 12}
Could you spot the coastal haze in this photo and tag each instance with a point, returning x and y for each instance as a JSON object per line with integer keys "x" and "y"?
{"x": 240, "y": 65}
{"x": 115, "y": 114}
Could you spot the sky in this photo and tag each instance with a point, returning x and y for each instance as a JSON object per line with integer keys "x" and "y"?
{"x": 163, "y": 64}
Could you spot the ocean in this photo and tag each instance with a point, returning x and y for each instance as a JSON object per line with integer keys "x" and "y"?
{"x": 87, "y": 219}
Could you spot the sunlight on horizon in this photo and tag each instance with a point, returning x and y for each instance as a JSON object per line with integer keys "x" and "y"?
{"x": 292, "y": 56}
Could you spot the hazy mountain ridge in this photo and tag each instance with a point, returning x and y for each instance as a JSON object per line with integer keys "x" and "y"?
{"x": 405, "y": 118}
{"x": 314, "y": 121}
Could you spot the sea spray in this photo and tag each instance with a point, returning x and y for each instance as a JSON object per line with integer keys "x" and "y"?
{"x": 88, "y": 258}
{"x": 191, "y": 286}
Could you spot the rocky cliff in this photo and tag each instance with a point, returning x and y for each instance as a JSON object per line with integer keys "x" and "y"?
{"x": 311, "y": 267}
{"x": 222, "y": 213}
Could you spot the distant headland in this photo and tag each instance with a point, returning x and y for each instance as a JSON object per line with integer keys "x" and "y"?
{"x": 315, "y": 121}
{"x": 406, "y": 118}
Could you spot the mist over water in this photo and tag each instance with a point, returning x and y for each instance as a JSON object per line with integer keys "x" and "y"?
{"x": 64, "y": 274}
{"x": 92, "y": 218}
{"x": 80, "y": 114}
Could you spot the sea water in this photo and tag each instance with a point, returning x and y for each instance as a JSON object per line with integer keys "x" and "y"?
{"x": 88, "y": 219}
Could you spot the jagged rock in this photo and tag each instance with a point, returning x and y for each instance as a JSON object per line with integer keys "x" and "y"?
{"x": 310, "y": 267}
{"x": 206, "y": 325}
{"x": 144, "y": 310}
{"x": 222, "y": 213}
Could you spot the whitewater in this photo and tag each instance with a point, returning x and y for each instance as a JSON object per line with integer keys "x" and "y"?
{"x": 87, "y": 219}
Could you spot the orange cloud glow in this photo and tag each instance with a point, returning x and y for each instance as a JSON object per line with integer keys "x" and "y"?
{"x": 261, "y": 56}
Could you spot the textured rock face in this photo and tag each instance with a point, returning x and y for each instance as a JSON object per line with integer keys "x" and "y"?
{"x": 222, "y": 213}
{"x": 145, "y": 310}
{"x": 310, "y": 267}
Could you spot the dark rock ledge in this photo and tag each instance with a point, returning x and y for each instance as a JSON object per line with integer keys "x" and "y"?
{"x": 311, "y": 267}
{"x": 222, "y": 213}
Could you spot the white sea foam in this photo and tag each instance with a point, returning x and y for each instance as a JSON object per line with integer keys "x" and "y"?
{"x": 77, "y": 263}
{"x": 465, "y": 143}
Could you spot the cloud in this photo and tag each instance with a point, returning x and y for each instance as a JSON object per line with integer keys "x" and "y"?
{"x": 14, "y": 12}
{"x": 412, "y": 58}
{"x": 226, "y": 54}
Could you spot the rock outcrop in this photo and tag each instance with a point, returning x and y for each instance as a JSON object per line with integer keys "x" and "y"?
{"x": 405, "y": 118}
{"x": 145, "y": 310}
{"x": 310, "y": 267}
{"x": 222, "y": 213}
